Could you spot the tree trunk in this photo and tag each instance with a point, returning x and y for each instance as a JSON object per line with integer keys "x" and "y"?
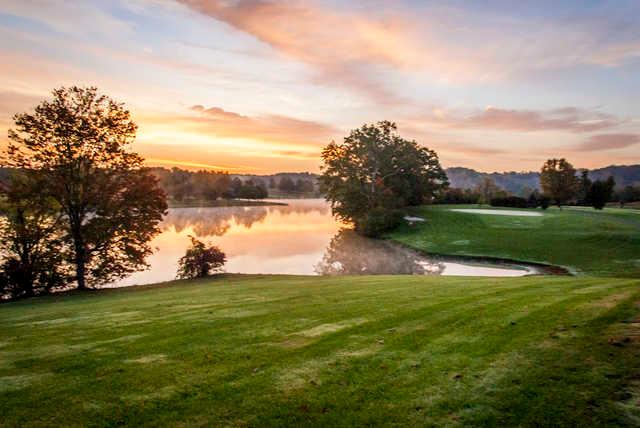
{"x": 80, "y": 253}
{"x": 80, "y": 270}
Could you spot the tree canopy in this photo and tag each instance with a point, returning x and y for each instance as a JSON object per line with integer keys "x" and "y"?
{"x": 74, "y": 151}
{"x": 600, "y": 192}
{"x": 374, "y": 173}
{"x": 558, "y": 180}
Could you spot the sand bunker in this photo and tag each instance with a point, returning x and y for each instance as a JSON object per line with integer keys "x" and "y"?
{"x": 498, "y": 212}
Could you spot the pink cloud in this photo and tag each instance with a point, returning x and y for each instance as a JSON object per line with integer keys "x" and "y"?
{"x": 566, "y": 119}
{"x": 609, "y": 142}
{"x": 341, "y": 47}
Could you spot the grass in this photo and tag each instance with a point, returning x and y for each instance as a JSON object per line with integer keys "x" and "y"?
{"x": 331, "y": 351}
{"x": 249, "y": 350}
{"x": 600, "y": 243}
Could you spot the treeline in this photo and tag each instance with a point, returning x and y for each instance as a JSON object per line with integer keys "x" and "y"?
{"x": 184, "y": 186}
{"x": 181, "y": 185}
{"x": 560, "y": 183}
{"x": 289, "y": 185}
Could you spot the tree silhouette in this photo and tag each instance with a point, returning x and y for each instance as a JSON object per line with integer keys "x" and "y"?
{"x": 74, "y": 150}
{"x": 200, "y": 260}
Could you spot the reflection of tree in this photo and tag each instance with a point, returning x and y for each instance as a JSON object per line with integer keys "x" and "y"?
{"x": 303, "y": 206}
{"x": 216, "y": 221}
{"x": 212, "y": 221}
{"x": 351, "y": 254}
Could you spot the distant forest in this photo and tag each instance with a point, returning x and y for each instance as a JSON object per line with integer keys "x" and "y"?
{"x": 182, "y": 185}
{"x": 523, "y": 183}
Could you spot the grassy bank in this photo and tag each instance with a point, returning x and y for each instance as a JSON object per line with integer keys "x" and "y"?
{"x": 334, "y": 351}
{"x": 603, "y": 243}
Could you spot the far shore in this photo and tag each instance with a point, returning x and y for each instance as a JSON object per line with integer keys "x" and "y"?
{"x": 224, "y": 203}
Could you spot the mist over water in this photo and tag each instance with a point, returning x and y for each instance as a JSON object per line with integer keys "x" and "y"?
{"x": 300, "y": 238}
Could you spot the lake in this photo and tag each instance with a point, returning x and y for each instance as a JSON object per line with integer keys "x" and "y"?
{"x": 300, "y": 238}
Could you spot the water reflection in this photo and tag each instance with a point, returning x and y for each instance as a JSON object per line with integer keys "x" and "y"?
{"x": 299, "y": 238}
{"x": 351, "y": 254}
{"x": 286, "y": 239}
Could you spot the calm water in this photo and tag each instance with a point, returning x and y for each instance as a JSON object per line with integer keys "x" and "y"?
{"x": 300, "y": 238}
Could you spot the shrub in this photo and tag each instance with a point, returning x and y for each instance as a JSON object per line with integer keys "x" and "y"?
{"x": 545, "y": 201}
{"x": 454, "y": 195}
{"x": 510, "y": 201}
{"x": 200, "y": 260}
{"x": 379, "y": 220}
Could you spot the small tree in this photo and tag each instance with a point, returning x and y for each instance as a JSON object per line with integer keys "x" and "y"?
{"x": 488, "y": 190}
{"x": 558, "y": 180}
{"x": 200, "y": 260}
{"x": 74, "y": 149}
{"x": 584, "y": 184}
{"x": 600, "y": 192}
{"x": 628, "y": 194}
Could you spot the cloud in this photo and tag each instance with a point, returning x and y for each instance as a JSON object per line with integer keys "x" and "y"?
{"x": 279, "y": 132}
{"x": 78, "y": 18}
{"x": 356, "y": 47}
{"x": 270, "y": 128}
{"x": 341, "y": 47}
{"x": 602, "y": 142}
{"x": 570, "y": 119}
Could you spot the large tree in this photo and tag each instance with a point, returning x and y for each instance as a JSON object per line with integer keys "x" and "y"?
{"x": 75, "y": 150}
{"x": 374, "y": 173}
{"x": 558, "y": 180}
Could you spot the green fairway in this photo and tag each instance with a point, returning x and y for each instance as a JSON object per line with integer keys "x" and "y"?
{"x": 333, "y": 351}
{"x": 603, "y": 243}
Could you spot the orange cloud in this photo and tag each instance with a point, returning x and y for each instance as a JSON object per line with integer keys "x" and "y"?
{"x": 272, "y": 128}
{"x": 191, "y": 165}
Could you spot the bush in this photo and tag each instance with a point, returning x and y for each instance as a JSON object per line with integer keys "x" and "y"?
{"x": 510, "y": 201}
{"x": 200, "y": 260}
{"x": 379, "y": 220}
{"x": 454, "y": 195}
{"x": 544, "y": 202}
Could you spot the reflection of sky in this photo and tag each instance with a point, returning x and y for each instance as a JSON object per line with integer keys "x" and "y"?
{"x": 290, "y": 239}
{"x": 277, "y": 239}
{"x": 286, "y": 77}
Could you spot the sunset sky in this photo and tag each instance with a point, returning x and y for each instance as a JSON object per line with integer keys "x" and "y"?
{"x": 260, "y": 86}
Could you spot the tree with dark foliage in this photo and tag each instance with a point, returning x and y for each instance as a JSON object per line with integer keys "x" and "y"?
{"x": 600, "y": 192}
{"x": 584, "y": 184}
{"x": 74, "y": 150}
{"x": 30, "y": 249}
{"x": 374, "y": 174}
{"x": 200, "y": 260}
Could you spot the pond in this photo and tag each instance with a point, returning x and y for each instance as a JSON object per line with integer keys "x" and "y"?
{"x": 301, "y": 238}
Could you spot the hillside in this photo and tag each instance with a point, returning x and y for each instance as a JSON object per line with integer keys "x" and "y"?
{"x": 524, "y": 182}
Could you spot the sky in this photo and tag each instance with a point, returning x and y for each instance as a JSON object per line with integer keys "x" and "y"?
{"x": 257, "y": 86}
